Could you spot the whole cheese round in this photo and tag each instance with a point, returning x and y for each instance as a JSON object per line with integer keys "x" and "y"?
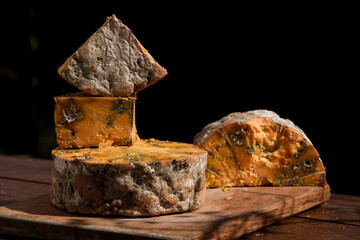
{"x": 149, "y": 178}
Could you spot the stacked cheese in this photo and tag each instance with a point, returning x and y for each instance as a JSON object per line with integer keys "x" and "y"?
{"x": 82, "y": 120}
{"x": 101, "y": 165}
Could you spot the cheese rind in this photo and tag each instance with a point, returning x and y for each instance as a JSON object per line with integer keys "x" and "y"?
{"x": 83, "y": 120}
{"x": 259, "y": 148}
{"x": 112, "y": 62}
{"x": 149, "y": 178}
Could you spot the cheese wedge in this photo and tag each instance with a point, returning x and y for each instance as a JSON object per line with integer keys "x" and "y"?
{"x": 83, "y": 120}
{"x": 259, "y": 148}
{"x": 149, "y": 178}
{"x": 112, "y": 62}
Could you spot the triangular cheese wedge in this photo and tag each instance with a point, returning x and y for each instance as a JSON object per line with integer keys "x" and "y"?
{"x": 259, "y": 148}
{"x": 112, "y": 62}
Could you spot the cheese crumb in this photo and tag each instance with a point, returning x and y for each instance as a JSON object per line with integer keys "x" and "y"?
{"x": 225, "y": 189}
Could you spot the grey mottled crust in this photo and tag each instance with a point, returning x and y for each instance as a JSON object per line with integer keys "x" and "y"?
{"x": 131, "y": 189}
{"x": 112, "y": 62}
{"x": 242, "y": 117}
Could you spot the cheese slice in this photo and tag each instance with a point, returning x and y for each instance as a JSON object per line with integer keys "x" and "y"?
{"x": 148, "y": 178}
{"x": 83, "y": 120}
{"x": 112, "y": 62}
{"x": 259, "y": 148}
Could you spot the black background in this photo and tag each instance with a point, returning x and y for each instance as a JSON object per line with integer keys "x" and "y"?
{"x": 296, "y": 60}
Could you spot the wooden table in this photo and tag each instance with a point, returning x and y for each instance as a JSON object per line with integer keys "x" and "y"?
{"x": 22, "y": 178}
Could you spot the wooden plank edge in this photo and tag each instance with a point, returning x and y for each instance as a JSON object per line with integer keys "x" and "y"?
{"x": 232, "y": 227}
{"x": 235, "y": 227}
{"x": 50, "y": 230}
{"x": 33, "y": 227}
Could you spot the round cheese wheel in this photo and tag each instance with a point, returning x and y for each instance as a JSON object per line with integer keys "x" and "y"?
{"x": 149, "y": 178}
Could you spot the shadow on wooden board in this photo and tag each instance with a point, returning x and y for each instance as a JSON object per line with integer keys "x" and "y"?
{"x": 230, "y": 214}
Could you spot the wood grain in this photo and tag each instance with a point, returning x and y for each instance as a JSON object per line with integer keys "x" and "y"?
{"x": 343, "y": 209}
{"x": 26, "y": 169}
{"x": 225, "y": 215}
{"x": 299, "y": 228}
{"x": 13, "y": 190}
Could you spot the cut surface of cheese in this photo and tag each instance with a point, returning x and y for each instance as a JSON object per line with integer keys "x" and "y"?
{"x": 112, "y": 62}
{"x": 148, "y": 178}
{"x": 82, "y": 120}
{"x": 259, "y": 148}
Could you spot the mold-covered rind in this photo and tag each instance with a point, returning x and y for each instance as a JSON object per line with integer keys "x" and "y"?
{"x": 84, "y": 181}
{"x": 112, "y": 62}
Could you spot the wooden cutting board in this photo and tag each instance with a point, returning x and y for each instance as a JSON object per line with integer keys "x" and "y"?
{"x": 225, "y": 215}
